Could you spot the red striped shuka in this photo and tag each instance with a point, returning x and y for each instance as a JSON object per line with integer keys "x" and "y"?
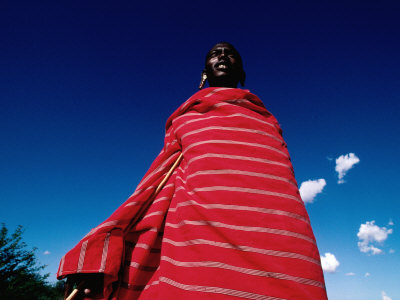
{"x": 228, "y": 223}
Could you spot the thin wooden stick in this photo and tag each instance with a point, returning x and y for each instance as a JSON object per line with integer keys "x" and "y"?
{"x": 76, "y": 290}
{"x": 178, "y": 160}
{"x": 147, "y": 204}
{"x": 159, "y": 187}
{"x": 73, "y": 294}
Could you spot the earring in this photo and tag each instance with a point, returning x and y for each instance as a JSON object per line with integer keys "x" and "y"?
{"x": 203, "y": 80}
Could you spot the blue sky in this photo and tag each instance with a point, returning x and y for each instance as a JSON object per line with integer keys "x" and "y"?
{"x": 86, "y": 89}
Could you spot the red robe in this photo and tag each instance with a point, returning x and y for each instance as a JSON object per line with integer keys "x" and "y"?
{"x": 229, "y": 222}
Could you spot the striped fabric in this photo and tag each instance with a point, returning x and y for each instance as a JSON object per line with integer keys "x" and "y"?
{"x": 229, "y": 222}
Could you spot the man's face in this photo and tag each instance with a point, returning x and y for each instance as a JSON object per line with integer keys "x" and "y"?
{"x": 223, "y": 66}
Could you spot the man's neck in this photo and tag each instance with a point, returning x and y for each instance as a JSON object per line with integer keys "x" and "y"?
{"x": 223, "y": 83}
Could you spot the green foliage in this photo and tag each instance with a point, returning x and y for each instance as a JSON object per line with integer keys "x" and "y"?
{"x": 20, "y": 277}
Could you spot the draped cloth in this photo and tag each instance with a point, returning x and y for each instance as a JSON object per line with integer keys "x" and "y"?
{"x": 228, "y": 223}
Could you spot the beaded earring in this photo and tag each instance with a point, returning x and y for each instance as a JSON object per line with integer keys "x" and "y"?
{"x": 203, "y": 80}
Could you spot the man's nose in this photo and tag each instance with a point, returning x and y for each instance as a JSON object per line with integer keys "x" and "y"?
{"x": 222, "y": 53}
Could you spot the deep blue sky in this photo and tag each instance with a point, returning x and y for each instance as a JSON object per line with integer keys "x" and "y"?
{"x": 85, "y": 90}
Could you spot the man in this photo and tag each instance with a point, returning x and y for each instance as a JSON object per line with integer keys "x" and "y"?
{"x": 224, "y": 67}
{"x": 218, "y": 215}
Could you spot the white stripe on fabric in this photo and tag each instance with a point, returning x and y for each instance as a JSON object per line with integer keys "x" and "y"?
{"x": 237, "y": 157}
{"x": 160, "y": 168}
{"x": 242, "y": 228}
{"x": 146, "y": 247}
{"x": 239, "y": 172}
{"x": 167, "y": 134}
{"x": 161, "y": 199}
{"x": 105, "y": 252}
{"x": 187, "y": 102}
{"x": 234, "y": 101}
{"x": 216, "y": 290}
{"x": 106, "y": 224}
{"x": 156, "y": 213}
{"x": 153, "y": 283}
{"x": 216, "y": 90}
{"x": 170, "y": 144}
{"x": 189, "y": 114}
{"x": 138, "y": 191}
{"x": 232, "y": 142}
{"x": 148, "y": 188}
{"x": 247, "y": 271}
{"x": 236, "y": 129}
{"x": 222, "y": 117}
{"x": 133, "y": 203}
{"x": 241, "y": 190}
{"x": 134, "y": 265}
{"x": 241, "y": 208}
{"x": 142, "y": 267}
{"x": 142, "y": 245}
{"x": 82, "y": 256}
{"x": 242, "y": 248}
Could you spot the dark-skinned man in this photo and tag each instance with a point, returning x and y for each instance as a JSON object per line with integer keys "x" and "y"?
{"x": 217, "y": 216}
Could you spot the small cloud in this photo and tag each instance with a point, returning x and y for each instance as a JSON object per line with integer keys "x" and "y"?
{"x": 329, "y": 263}
{"x": 370, "y": 233}
{"x": 390, "y": 222}
{"x": 391, "y": 251}
{"x": 310, "y": 189}
{"x": 350, "y": 274}
{"x": 367, "y": 274}
{"x": 371, "y": 249}
{"x": 329, "y": 158}
{"x": 344, "y": 163}
{"x": 47, "y": 252}
{"x": 385, "y": 297}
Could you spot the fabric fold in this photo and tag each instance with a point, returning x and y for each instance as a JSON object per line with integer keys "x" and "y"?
{"x": 229, "y": 222}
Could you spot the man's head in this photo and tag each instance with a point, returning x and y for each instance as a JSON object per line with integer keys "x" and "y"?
{"x": 224, "y": 66}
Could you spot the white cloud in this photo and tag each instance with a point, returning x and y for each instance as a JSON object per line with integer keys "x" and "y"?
{"x": 350, "y": 274}
{"x": 390, "y": 222}
{"x": 391, "y": 251}
{"x": 367, "y": 274}
{"x": 47, "y": 252}
{"x": 385, "y": 297}
{"x": 329, "y": 263}
{"x": 370, "y": 233}
{"x": 365, "y": 249}
{"x": 310, "y": 188}
{"x": 344, "y": 163}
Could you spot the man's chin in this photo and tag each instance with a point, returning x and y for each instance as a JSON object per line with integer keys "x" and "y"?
{"x": 222, "y": 73}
